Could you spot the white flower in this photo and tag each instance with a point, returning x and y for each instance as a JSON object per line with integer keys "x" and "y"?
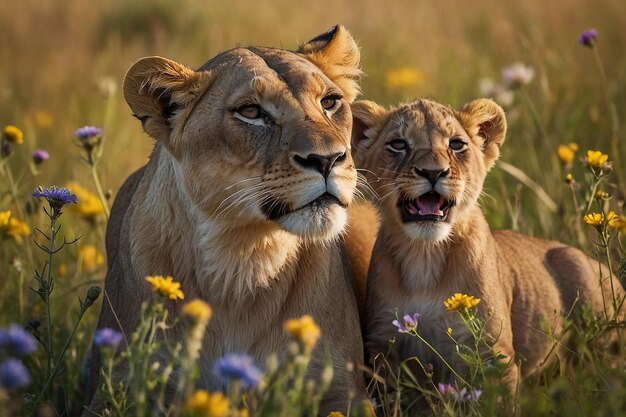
{"x": 517, "y": 75}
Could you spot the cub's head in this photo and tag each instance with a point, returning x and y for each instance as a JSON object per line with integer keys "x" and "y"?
{"x": 257, "y": 135}
{"x": 428, "y": 160}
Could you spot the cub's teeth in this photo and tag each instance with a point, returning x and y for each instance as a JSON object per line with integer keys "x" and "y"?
{"x": 411, "y": 209}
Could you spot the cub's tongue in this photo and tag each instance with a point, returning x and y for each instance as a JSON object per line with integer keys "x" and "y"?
{"x": 430, "y": 204}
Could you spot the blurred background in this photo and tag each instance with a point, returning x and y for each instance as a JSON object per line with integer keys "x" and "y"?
{"x": 62, "y": 63}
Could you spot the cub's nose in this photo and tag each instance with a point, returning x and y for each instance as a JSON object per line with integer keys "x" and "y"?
{"x": 432, "y": 175}
{"x": 320, "y": 163}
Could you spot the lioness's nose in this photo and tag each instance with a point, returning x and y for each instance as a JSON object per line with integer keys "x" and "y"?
{"x": 432, "y": 175}
{"x": 321, "y": 163}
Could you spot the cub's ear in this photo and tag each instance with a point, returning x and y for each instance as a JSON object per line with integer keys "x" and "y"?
{"x": 485, "y": 118}
{"x": 368, "y": 119}
{"x": 336, "y": 53}
{"x": 162, "y": 93}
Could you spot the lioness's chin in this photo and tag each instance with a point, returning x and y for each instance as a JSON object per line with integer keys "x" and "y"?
{"x": 316, "y": 222}
{"x": 429, "y": 231}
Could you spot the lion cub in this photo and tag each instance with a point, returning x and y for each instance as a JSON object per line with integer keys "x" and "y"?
{"x": 434, "y": 241}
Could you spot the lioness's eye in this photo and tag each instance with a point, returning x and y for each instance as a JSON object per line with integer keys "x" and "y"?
{"x": 397, "y": 145}
{"x": 457, "y": 145}
{"x": 330, "y": 101}
{"x": 250, "y": 111}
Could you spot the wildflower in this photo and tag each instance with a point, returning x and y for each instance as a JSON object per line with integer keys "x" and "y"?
{"x": 602, "y": 195}
{"x": 43, "y": 119}
{"x": 446, "y": 389}
{"x": 4, "y": 218}
{"x": 13, "y": 374}
{"x": 107, "y": 337}
{"x": 13, "y": 227}
{"x": 517, "y": 75}
{"x": 305, "y": 329}
{"x": 89, "y": 206}
{"x": 566, "y": 153}
{"x": 618, "y": 222}
{"x": 462, "y": 395}
{"x": 588, "y": 37}
{"x": 62, "y": 270}
{"x": 92, "y": 295}
{"x": 569, "y": 178}
{"x": 89, "y": 136}
{"x": 500, "y": 93}
{"x": 336, "y": 414}
{"x": 461, "y": 302}
{"x": 449, "y": 331}
{"x": 56, "y": 197}
{"x": 13, "y": 134}
{"x": 402, "y": 78}
{"x": 240, "y": 367}
{"x": 198, "y": 310}
{"x": 17, "y": 341}
{"x": 596, "y": 159}
{"x": 166, "y": 286}
{"x": 594, "y": 219}
{"x": 203, "y": 403}
{"x": 40, "y": 156}
{"x": 90, "y": 258}
{"x": 409, "y": 323}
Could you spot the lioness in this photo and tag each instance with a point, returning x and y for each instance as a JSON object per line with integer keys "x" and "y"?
{"x": 434, "y": 241}
{"x": 243, "y": 200}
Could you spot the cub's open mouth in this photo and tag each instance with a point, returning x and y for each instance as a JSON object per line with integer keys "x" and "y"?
{"x": 275, "y": 209}
{"x": 431, "y": 206}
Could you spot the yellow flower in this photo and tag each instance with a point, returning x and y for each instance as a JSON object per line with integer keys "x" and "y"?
{"x": 166, "y": 286}
{"x": 198, "y": 310}
{"x": 90, "y": 258}
{"x": 205, "y": 404}
{"x": 449, "y": 330}
{"x": 13, "y": 134}
{"x": 567, "y": 153}
{"x": 43, "y": 119}
{"x": 403, "y": 77}
{"x": 594, "y": 219}
{"x": 89, "y": 205}
{"x": 243, "y": 412}
{"x": 305, "y": 329}
{"x": 569, "y": 178}
{"x": 618, "y": 222}
{"x": 460, "y": 302}
{"x": 596, "y": 159}
{"x": 602, "y": 195}
{"x": 336, "y": 414}
{"x": 4, "y": 218}
{"x": 62, "y": 270}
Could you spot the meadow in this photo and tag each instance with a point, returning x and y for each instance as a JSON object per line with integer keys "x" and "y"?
{"x": 62, "y": 63}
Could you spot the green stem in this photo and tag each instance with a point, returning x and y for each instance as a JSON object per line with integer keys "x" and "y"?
{"x": 48, "y": 290}
{"x": 96, "y": 180}
{"x": 442, "y": 359}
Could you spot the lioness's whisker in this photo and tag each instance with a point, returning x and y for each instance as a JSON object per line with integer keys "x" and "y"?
{"x": 258, "y": 177}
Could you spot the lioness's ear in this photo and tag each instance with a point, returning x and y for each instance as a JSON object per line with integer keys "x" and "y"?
{"x": 368, "y": 119}
{"x": 336, "y": 53}
{"x": 485, "y": 118}
{"x": 162, "y": 93}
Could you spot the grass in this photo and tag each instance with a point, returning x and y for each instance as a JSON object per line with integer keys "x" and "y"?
{"x": 61, "y": 67}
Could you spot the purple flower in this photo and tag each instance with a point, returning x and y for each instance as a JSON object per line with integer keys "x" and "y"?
{"x": 446, "y": 389}
{"x": 87, "y": 132}
{"x": 13, "y": 374}
{"x": 17, "y": 341}
{"x": 240, "y": 367}
{"x": 57, "y": 198}
{"x": 588, "y": 37}
{"x": 107, "y": 337}
{"x": 40, "y": 156}
{"x": 462, "y": 395}
{"x": 409, "y": 323}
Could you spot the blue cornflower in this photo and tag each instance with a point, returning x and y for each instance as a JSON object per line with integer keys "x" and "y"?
{"x": 13, "y": 374}
{"x": 87, "y": 132}
{"x": 240, "y": 367}
{"x": 588, "y": 37}
{"x": 409, "y": 323}
{"x": 107, "y": 337}
{"x": 57, "y": 197}
{"x": 17, "y": 341}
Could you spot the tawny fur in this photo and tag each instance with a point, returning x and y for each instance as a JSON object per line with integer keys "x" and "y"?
{"x": 229, "y": 206}
{"x": 526, "y": 284}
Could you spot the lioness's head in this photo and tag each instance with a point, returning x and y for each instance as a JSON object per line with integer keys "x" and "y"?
{"x": 258, "y": 135}
{"x": 430, "y": 160}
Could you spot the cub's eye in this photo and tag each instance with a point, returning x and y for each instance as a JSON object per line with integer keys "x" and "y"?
{"x": 397, "y": 145}
{"x": 330, "y": 102}
{"x": 457, "y": 145}
{"x": 250, "y": 111}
